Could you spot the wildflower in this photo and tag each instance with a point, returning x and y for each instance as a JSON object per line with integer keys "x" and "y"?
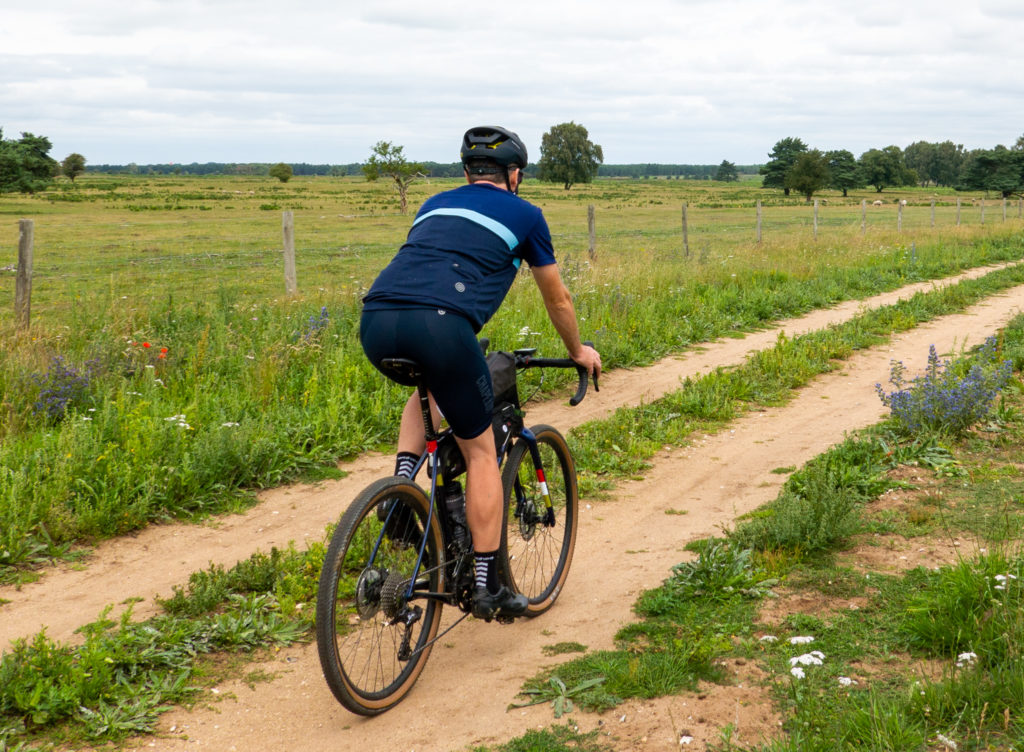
{"x": 800, "y": 640}
{"x": 814, "y": 658}
{"x": 797, "y": 672}
{"x": 846, "y": 681}
{"x": 966, "y": 659}
{"x": 230, "y": 424}
{"x": 146, "y": 345}
{"x": 946, "y": 742}
{"x": 769, "y": 638}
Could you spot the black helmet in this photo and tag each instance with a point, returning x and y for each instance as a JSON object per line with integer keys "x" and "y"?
{"x": 491, "y": 142}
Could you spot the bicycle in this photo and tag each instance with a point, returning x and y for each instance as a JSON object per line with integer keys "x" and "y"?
{"x": 399, "y": 554}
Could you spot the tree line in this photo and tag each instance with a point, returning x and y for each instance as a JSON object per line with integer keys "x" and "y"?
{"x": 431, "y": 169}
{"x": 793, "y": 166}
{"x": 568, "y": 156}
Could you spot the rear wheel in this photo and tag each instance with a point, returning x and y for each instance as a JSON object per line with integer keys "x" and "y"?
{"x": 537, "y": 540}
{"x": 373, "y": 633}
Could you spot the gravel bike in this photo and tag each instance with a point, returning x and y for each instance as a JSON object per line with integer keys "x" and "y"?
{"x": 400, "y": 553}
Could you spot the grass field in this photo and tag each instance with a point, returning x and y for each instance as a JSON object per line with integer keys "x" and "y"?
{"x": 187, "y": 378}
{"x": 167, "y": 373}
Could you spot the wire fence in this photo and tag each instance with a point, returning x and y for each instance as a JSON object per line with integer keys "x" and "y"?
{"x": 141, "y": 261}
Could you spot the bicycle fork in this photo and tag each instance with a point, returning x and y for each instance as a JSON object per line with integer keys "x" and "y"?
{"x": 531, "y": 442}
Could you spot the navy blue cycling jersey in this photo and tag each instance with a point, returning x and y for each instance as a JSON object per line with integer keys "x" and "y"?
{"x": 462, "y": 253}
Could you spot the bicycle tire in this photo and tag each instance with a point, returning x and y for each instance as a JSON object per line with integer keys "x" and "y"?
{"x": 361, "y": 597}
{"x": 535, "y": 557}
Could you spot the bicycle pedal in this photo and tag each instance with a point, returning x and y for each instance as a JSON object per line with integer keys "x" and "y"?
{"x": 504, "y": 619}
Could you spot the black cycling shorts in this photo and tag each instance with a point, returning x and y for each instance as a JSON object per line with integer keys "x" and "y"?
{"x": 445, "y": 346}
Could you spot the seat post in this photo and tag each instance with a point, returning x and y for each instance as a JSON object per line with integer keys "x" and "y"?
{"x": 428, "y": 418}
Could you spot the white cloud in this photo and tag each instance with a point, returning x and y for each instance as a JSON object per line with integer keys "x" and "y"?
{"x": 663, "y": 81}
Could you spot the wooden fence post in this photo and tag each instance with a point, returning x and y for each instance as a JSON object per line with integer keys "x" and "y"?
{"x": 863, "y": 216}
{"x": 983, "y": 212}
{"x": 23, "y": 281}
{"x": 592, "y": 230}
{"x": 957, "y": 211}
{"x": 933, "y": 212}
{"x": 899, "y": 216}
{"x": 686, "y": 236}
{"x": 288, "y": 229}
{"x": 815, "y": 219}
{"x": 1004, "y": 209}
{"x": 758, "y": 221}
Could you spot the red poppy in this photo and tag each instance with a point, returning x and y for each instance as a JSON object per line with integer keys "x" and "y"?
{"x": 145, "y": 344}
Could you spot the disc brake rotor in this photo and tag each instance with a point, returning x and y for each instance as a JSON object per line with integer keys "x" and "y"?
{"x": 368, "y": 592}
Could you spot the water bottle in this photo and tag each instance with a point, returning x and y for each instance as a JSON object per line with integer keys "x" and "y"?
{"x": 455, "y": 500}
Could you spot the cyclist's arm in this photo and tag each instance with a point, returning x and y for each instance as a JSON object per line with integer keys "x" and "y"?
{"x": 562, "y": 313}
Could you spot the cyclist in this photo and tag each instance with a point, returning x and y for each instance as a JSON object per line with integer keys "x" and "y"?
{"x": 446, "y": 281}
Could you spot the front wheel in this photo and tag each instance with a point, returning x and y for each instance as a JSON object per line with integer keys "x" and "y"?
{"x": 374, "y": 624}
{"x": 539, "y": 534}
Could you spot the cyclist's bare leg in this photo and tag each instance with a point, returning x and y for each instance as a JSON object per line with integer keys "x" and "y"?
{"x": 483, "y": 491}
{"x": 410, "y": 431}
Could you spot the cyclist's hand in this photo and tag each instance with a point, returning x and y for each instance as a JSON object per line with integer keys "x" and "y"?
{"x": 590, "y": 359}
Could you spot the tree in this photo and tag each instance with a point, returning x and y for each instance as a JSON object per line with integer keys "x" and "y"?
{"x": 568, "y": 156}
{"x": 388, "y": 160}
{"x": 999, "y": 169}
{"x": 922, "y": 157}
{"x": 949, "y": 159}
{"x": 885, "y": 167}
{"x": 808, "y": 174}
{"x": 25, "y": 164}
{"x": 72, "y": 166}
{"x": 843, "y": 172}
{"x": 281, "y": 171}
{"x": 781, "y": 158}
{"x": 727, "y": 172}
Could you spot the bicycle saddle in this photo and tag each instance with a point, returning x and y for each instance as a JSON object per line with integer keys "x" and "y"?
{"x": 402, "y": 370}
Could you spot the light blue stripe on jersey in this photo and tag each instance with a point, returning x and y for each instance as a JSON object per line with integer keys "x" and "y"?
{"x": 481, "y": 219}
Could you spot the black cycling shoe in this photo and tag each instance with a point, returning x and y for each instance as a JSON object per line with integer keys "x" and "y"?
{"x": 501, "y": 605}
{"x": 399, "y": 526}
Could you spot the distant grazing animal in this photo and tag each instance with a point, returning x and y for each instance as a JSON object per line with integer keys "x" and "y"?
{"x": 876, "y": 202}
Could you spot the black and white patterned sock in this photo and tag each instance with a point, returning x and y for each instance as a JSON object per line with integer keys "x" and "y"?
{"x": 487, "y": 570}
{"x": 405, "y": 463}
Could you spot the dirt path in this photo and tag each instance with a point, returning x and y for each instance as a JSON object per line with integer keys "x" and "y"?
{"x": 626, "y": 545}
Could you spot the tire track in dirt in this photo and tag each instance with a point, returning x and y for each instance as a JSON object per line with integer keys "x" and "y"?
{"x": 626, "y": 545}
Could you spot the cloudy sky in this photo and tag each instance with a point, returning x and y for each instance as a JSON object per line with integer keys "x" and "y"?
{"x": 670, "y": 81}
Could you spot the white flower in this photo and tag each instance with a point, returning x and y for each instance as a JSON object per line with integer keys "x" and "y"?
{"x": 800, "y": 640}
{"x": 769, "y": 638}
{"x": 814, "y": 658}
{"x": 797, "y": 672}
{"x": 229, "y": 424}
{"x": 685, "y": 739}
{"x": 946, "y": 742}
{"x": 966, "y": 659}
{"x": 846, "y": 681}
